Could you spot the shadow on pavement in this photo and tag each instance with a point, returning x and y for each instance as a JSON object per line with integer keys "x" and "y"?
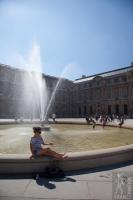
{"x": 46, "y": 182}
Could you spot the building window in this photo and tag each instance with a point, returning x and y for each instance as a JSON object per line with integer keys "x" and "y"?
{"x": 109, "y": 109}
{"x": 91, "y": 110}
{"x": 109, "y": 81}
{"x": 84, "y": 110}
{"x": 116, "y": 91}
{"x": 79, "y": 110}
{"x": 125, "y": 92}
{"x": 116, "y": 80}
{"x": 117, "y": 109}
{"x": 125, "y": 109}
{"x": 124, "y": 78}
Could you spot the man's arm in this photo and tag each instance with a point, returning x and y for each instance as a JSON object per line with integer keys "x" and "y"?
{"x": 32, "y": 151}
{"x": 46, "y": 143}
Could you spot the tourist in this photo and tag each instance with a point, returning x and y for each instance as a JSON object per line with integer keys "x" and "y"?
{"x": 38, "y": 148}
{"x": 87, "y": 119}
{"x": 53, "y": 117}
{"x": 93, "y": 123}
{"x": 104, "y": 122}
{"x": 121, "y": 122}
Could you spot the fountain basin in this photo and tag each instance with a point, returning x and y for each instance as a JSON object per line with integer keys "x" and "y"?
{"x": 22, "y": 164}
{"x": 45, "y": 128}
{"x": 14, "y": 163}
{"x": 15, "y": 138}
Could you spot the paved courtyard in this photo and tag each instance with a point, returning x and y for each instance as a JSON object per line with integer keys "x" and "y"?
{"x": 94, "y": 184}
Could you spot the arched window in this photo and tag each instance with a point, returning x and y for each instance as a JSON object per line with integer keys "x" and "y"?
{"x": 117, "y": 109}
{"x": 125, "y": 109}
{"x": 91, "y": 110}
{"x": 109, "y": 109}
{"x": 79, "y": 110}
{"x": 85, "y": 110}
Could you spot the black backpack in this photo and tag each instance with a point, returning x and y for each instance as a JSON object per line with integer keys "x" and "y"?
{"x": 50, "y": 172}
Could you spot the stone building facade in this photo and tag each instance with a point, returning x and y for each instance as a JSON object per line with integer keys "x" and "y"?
{"x": 16, "y": 88}
{"x": 105, "y": 93}
{"x": 60, "y": 92}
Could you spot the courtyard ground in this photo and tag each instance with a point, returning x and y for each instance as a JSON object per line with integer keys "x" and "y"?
{"x": 94, "y": 184}
{"x": 79, "y": 185}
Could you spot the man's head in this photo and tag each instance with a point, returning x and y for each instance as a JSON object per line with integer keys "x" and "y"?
{"x": 37, "y": 129}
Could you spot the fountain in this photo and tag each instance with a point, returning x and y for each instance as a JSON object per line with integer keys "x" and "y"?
{"x": 38, "y": 100}
{"x": 35, "y": 88}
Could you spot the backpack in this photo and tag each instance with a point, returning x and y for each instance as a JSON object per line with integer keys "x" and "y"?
{"x": 50, "y": 172}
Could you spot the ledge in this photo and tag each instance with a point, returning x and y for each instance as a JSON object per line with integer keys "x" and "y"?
{"x": 20, "y": 163}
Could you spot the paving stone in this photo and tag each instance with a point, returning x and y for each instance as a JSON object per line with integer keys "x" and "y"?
{"x": 100, "y": 190}
{"x": 58, "y": 190}
{"x": 13, "y": 187}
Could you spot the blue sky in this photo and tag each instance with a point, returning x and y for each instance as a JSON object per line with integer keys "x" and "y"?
{"x": 72, "y": 37}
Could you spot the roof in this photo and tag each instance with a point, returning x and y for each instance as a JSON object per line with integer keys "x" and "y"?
{"x": 3, "y": 66}
{"x": 105, "y": 74}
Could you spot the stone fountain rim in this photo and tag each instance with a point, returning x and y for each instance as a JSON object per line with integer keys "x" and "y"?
{"x": 21, "y": 163}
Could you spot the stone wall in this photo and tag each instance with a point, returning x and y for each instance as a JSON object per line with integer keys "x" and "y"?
{"x": 21, "y": 164}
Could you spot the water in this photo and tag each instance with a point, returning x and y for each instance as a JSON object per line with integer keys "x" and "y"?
{"x": 66, "y": 138}
{"x": 36, "y": 99}
{"x": 55, "y": 89}
{"x": 34, "y": 90}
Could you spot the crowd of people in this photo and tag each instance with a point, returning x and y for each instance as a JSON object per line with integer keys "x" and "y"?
{"x": 105, "y": 119}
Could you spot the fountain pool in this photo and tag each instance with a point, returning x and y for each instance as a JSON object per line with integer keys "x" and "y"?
{"x": 15, "y": 138}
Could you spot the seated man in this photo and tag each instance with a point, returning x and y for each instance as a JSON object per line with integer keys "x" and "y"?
{"x": 38, "y": 148}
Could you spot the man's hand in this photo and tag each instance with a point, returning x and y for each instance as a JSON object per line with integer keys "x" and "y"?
{"x": 51, "y": 143}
